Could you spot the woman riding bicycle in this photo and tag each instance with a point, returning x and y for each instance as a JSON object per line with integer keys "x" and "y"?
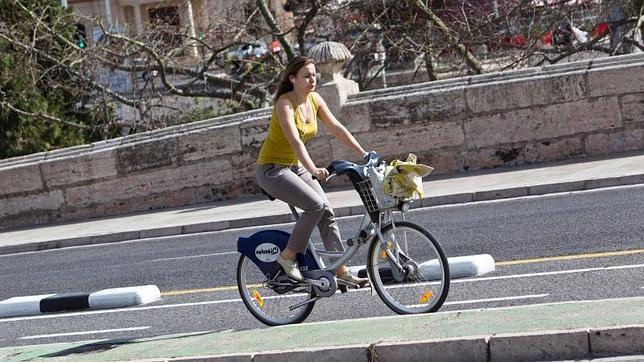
{"x": 286, "y": 171}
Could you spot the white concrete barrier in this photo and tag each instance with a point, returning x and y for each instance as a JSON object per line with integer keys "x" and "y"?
{"x": 107, "y": 298}
{"x": 120, "y": 297}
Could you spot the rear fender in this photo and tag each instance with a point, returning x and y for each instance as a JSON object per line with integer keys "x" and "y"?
{"x": 263, "y": 247}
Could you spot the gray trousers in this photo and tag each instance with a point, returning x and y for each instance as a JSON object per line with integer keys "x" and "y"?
{"x": 295, "y": 186}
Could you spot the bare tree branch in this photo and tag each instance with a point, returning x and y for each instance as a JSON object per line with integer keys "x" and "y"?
{"x": 272, "y": 23}
{"x": 94, "y": 84}
{"x": 471, "y": 60}
{"x": 46, "y": 117}
{"x": 308, "y": 18}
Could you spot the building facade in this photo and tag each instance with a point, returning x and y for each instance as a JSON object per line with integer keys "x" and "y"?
{"x": 199, "y": 18}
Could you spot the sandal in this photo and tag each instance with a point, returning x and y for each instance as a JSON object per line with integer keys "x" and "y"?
{"x": 352, "y": 279}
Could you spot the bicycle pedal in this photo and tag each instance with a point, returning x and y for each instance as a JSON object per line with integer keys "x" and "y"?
{"x": 344, "y": 284}
{"x": 343, "y": 288}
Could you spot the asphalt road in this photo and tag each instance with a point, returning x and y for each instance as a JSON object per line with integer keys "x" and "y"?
{"x": 565, "y": 247}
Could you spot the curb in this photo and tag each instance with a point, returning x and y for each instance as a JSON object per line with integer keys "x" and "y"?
{"x": 343, "y": 211}
{"x": 103, "y": 299}
{"x": 535, "y": 346}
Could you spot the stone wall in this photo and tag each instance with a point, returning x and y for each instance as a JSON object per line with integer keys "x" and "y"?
{"x": 505, "y": 119}
{"x": 557, "y": 112}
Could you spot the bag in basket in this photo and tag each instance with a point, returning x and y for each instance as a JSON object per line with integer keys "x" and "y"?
{"x": 403, "y": 179}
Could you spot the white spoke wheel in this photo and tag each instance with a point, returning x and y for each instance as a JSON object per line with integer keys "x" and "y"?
{"x": 423, "y": 285}
{"x": 270, "y": 304}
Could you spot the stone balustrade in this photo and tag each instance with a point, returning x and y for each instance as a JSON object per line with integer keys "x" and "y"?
{"x": 587, "y": 108}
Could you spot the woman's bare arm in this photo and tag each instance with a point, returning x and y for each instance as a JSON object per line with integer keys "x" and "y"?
{"x": 336, "y": 128}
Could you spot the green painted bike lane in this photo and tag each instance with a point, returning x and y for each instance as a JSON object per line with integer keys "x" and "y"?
{"x": 481, "y": 322}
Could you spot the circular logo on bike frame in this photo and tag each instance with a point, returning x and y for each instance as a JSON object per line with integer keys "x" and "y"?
{"x": 267, "y": 252}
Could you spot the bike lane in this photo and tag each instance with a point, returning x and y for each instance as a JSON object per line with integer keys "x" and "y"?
{"x": 569, "y": 330}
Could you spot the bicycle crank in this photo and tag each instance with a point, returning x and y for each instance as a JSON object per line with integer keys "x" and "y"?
{"x": 322, "y": 281}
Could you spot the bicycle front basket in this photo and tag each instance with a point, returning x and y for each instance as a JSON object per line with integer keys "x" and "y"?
{"x": 371, "y": 191}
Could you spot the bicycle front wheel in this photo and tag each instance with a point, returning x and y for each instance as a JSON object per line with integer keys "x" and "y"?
{"x": 423, "y": 283}
{"x": 271, "y": 301}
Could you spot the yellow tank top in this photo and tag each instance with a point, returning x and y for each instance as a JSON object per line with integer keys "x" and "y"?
{"x": 276, "y": 148}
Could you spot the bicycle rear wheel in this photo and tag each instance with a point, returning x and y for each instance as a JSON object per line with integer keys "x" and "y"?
{"x": 423, "y": 285}
{"x": 270, "y": 300}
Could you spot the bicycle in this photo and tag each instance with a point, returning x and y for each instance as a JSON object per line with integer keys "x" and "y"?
{"x": 405, "y": 263}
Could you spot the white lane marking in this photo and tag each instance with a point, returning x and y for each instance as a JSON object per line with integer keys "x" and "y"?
{"x": 195, "y": 256}
{"x": 515, "y": 276}
{"x": 531, "y": 296}
{"x": 572, "y": 271}
{"x": 108, "y": 311}
{"x": 166, "y": 306}
{"x": 134, "y": 309}
{"x": 501, "y": 299}
{"x": 513, "y": 199}
{"x": 84, "y": 333}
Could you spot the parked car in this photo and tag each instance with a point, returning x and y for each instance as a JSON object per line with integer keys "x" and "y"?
{"x": 242, "y": 56}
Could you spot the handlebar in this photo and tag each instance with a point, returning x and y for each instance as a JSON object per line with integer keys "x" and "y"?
{"x": 371, "y": 159}
{"x": 355, "y": 171}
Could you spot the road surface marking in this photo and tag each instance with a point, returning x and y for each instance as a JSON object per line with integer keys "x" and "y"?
{"x": 109, "y": 311}
{"x": 195, "y": 256}
{"x": 211, "y": 302}
{"x": 194, "y": 291}
{"x": 83, "y": 333}
{"x": 571, "y": 257}
{"x": 501, "y": 299}
{"x": 501, "y": 263}
{"x": 135, "y": 309}
{"x": 496, "y": 299}
{"x": 514, "y": 276}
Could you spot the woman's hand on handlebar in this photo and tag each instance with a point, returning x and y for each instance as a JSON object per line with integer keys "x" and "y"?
{"x": 369, "y": 156}
{"x": 320, "y": 173}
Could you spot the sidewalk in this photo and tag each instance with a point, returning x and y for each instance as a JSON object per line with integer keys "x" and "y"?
{"x": 546, "y": 332}
{"x": 572, "y": 175}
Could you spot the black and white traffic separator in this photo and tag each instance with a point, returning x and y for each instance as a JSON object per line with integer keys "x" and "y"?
{"x": 103, "y": 299}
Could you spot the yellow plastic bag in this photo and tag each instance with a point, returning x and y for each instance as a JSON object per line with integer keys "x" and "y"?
{"x": 403, "y": 179}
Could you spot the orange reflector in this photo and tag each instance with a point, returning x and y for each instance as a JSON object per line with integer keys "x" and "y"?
{"x": 258, "y": 298}
{"x": 383, "y": 253}
{"x": 425, "y": 297}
